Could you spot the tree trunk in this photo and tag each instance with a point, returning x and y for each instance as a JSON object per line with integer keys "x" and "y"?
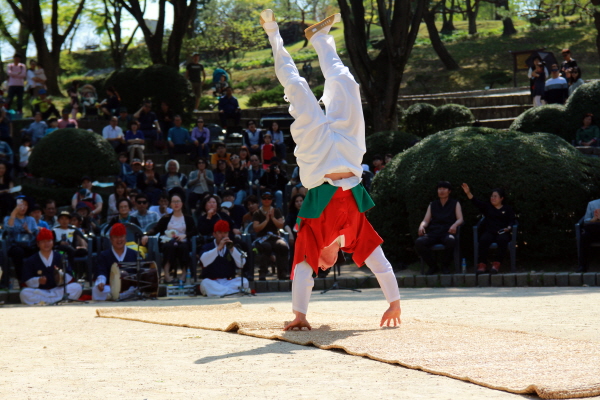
{"x": 380, "y": 77}
{"x": 448, "y": 19}
{"x": 508, "y": 26}
{"x": 182, "y": 17}
{"x": 436, "y": 42}
{"x": 472, "y": 7}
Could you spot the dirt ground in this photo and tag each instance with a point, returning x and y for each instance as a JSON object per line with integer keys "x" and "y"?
{"x": 53, "y": 352}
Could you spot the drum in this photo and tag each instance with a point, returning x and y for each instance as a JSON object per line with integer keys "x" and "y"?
{"x": 148, "y": 279}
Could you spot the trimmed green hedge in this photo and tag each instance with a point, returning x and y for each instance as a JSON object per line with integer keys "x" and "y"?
{"x": 547, "y": 181}
{"x": 451, "y": 116}
{"x": 66, "y": 155}
{"x": 585, "y": 99}
{"x": 550, "y": 118}
{"x": 418, "y": 119}
{"x": 392, "y": 142}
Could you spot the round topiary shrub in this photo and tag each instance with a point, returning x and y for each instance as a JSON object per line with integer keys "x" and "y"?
{"x": 124, "y": 80}
{"x": 388, "y": 142}
{"x": 549, "y": 118}
{"x": 418, "y": 119}
{"x": 547, "y": 181}
{"x": 585, "y": 99}
{"x": 165, "y": 83}
{"x": 66, "y": 155}
{"x": 451, "y": 116}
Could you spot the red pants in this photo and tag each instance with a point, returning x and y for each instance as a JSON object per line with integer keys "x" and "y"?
{"x": 340, "y": 217}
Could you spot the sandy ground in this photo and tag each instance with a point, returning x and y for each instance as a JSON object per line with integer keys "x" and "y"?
{"x": 66, "y": 351}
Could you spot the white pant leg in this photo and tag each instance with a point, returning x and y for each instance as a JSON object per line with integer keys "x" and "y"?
{"x": 302, "y": 286}
{"x": 384, "y": 273}
{"x": 98, "y": 295}
{"x": 74, "y": 290}
{"x": 221, "y": 287}
{"x": 33, "y": 296}
{"x": 128, "y": 293}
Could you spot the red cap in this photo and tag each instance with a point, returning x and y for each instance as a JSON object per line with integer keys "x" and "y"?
{"x": 45, "y": 234}
{"x": 118, "y": 229}
{"x": 221, "y": 226}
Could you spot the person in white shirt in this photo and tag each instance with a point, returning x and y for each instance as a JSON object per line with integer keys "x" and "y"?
{"x": 24, "y": 151}
{"x": 220, "y": 263}
{"x": 114, "y": 134}
{"x": 329, "y": 150}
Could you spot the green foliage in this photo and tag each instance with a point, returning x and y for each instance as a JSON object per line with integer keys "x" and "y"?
{"x": 418, "y": 119}
{"x": 97, "y": 82}
{"x": 550, "y": 118}
{"x": 318, "y": 91}
{"x": 451, "y": 116}
{"x": 585, "y": 99}
{"x": 206, "y": 102}
{"x": 496, "y": 76}
{"x": 61, "y": 195}
{"x": 124, "y": 81}
{"x": 547, "y": 181}
{"x": 387, "y": 142}
{"x": 272, "y": 96}
{"x": 66, "y": 155}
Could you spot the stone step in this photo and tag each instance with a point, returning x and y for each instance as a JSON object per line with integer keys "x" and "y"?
{"x": 496, "y": 112}
{"x": 501, "y": 123}
{"x": 476, "y": 101}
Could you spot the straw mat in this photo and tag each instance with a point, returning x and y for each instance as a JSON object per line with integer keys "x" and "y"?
{"x": 512, "y": 361}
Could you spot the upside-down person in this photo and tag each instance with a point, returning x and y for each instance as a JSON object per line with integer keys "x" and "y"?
{"x": 42, "y": 274}
{"x": 329, "y": 150}
{"x": 221, "y": 260}
{"x": 107, "y": 275}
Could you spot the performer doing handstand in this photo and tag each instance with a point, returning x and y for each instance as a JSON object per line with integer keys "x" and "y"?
{"x": 329, "y": 151}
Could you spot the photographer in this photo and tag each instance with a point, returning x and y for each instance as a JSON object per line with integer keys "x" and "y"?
{"x": 274, "y": 181}
{"x": 496, "y": 228}
{"x": 220, "y": 259}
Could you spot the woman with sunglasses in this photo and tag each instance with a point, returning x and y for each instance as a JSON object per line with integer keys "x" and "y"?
{"x": 201, "y": 182}
{"x": 201, "y": 136}
{"x": 575, "y": 79}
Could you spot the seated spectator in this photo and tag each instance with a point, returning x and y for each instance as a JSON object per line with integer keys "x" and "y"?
{"x": 66, "y": 121}
{"x": 251, "y": 203}
{"x": 149, "y": 182}
{"x": 49, "y": 216}
{"x": 297, "y": 187}
{"x": 255, "y": 173}
{"x": 68, "y": 240}
{"x": 93, "y": 200}
{"x": 114, "y": 135}
{"x": 575, "y": 80}
{"x": 76, "y": 221}
{"x": 236, "y": 179}
{"x": 221, "y": 86}
{"x": 124, "y": 217}
{"x": 201, "y": 138}
{"x": 200, "y": 182}
{"x": 162, "y": 208}
{"x": 4, "y": 123}
{"x": 220, "y": 154}
{"x": 87, "y": 225}
{"x": 267, "y": 222}
{"x": 274, "y": 181}
{"x": 220, "y": 260}
{"x": 244, "y": 157}
{"x": 52, "y": 125}
{"x": 209, "y": 214}
{"x": 165, "y": 116}
{"x": 179, "y": 138}
{"x": 290, "y": 220}
{"x": 7, "y": 203}
{"x": 178, "y": 248}
{"x": 377, "y": 163}
{"x": 37, "y": 129}
{"x": 253, "y": 138}
{"x": 40, "y": 273}
{"x": 278, "y": 141}
{"x": 106, "y": 274}
{"x": 124, "y": 118}
{"x": 110, "y": 106}
{"x": 220, "y": 175}
{"x": 21, "y": 232}
{"x": 6, "y": 156}
{"x": 235, "y": 211}
{"x": 148, "y": 121}
{"x": 135, "y": 141}
{"x": 120, "y": 192}
{"x": 229, "y": 108}
{"x": 567, "y": 63}
{"x": 126, "y": 174}
{"x": 267, "y": 151}
{"x": 35, "y": 211}
{"x": 443, "y": 217}
{"x": 496, "y": 228}
{"x": 43, "y": 104}
{"x": 589, "y": 133}
{"x": 173, "y": 178}
{"x": 24, "y": 152}
{"x": 143, "y": 215}
{"x": 556, "y": 89}
{"x": 131, "y": 195}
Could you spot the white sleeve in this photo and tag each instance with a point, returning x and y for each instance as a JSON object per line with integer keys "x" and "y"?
{"x": 208, "y": 257}
{"x": 100, "y": 279}
{"x": 33, "y": 282}
{"x": 237, "y": 257}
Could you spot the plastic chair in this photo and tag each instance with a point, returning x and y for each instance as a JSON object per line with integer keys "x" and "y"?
{"x": 512, "y": 245}
{"x": 441, "y": 247}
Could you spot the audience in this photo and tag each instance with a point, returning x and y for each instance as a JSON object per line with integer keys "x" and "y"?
{"x": 173, "y": 178}
{"x": 87, "y": 225}
{"x": 575, "y": 80}
{"x": 201, "y": 138}
{"x": 4, "y": 123}
{"x": 192, "y": 73}
{"x": 35, "y": 211}
{"x": 124, "y": 119}
{"x": 162, "y": 208}
{"x": 44, "y": 105}
{"x": 496, "y": 228}
{"x": 135, "y": 141}
{"x": 255, "y": 173}
{"x": 17, "y": 73}
{"x": 149, "y": 182}
{"x": 179, "y": 138}
{"x": 244, "y": 157}
{"x": 148, "y": 121}
{"x": 279, "y": 141}
{"x": 142, "y": 214}
{"x": 111, "y": 105}
{"x": 220, "y": 175}
{"x": 253, "y": 138}
{"x": 267, "y": 221}
{"x": 274, "y": 180}
{"x": 235, "y": 211}
{"x": 7, "y": 157}
{"x": 229, "y": 108}
{"x": 73, "y": 93}
{"x": 537, "y": 80}
{"x": 236, "y": 179}
{"x": 220, "y": 154}
{"x": 24, "y": 153}
{"x": 120, "y": 192}
{"x": 68, "y": 240}
{"x": 209, "y": 214}
{"x": 85, "y": 195}
{"x": 556, "y": 89}
{"x": 37, "y": 129}
{"x": 439, "y": 226}
{"x": 267, "y": 151}
{"x": 124, "y": 216}
{"x": 297, "y": 187}
{"x": 7, "y": 202}
{"x": 568, "y": 62}
{"x": 49, "y": 216}
{"x": 21, "y": 231}
{"x": 252, "y": 204}
{"x": 165, "y": 116}
{"x": 201, "y": 181}
{"x": 113, "y": 133}
{"x": 378, "y": 164}
{"x": 589, "y": 133}
{"x": 66, "y": 121}
{"x": 36, "y": 78}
